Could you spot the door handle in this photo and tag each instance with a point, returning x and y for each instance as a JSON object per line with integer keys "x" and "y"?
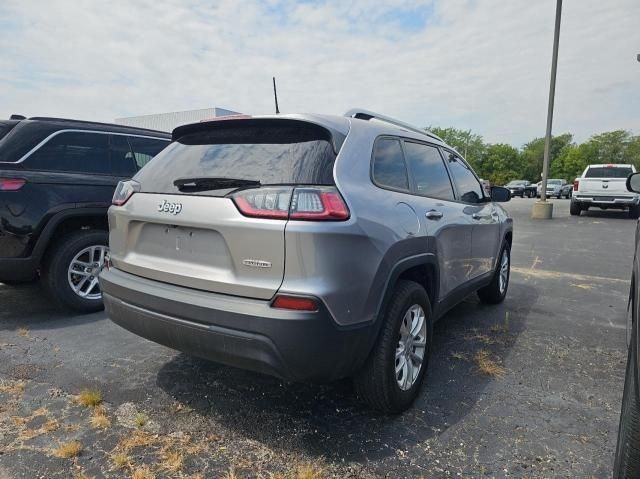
{"x": 433, "y": 215}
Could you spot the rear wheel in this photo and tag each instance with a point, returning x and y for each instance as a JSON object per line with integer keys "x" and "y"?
{"x": 634, "y": 212}
{"x": 627, "y": 461}
{"x": 574, "y": 208}
{"x": 496, "y": 291}
{"x": 71, "y": 272}
{"x": 392, "y": 375}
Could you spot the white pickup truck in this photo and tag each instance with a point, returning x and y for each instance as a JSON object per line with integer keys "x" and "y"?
{"x": 605, "y": 186}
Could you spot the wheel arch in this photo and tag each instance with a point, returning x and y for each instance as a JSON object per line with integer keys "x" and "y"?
{"x": 66, "y": 222}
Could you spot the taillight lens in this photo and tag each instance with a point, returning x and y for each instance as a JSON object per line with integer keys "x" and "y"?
{"x": 576, "y": 184}
{"x": 11, "y": 184}
{"x": 124, "y": 191}
{"x": 303, "y": 203}
{"x": 295, "y": 303}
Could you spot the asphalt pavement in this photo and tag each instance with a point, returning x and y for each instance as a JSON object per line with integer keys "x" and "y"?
{"x": 547, "y": 405}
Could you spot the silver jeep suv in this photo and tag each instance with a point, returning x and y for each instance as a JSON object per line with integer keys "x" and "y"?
{"x": 308, "y": 247}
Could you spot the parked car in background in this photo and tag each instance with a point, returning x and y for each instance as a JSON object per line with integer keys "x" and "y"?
{"x": 308, "y": 247}
{"x": 521, "y": 188}
{"x": 604, "y": 186}
{"x": 627, "y": 459}
{"x": 558, "y": 188}
{"x": 57, "y": 178}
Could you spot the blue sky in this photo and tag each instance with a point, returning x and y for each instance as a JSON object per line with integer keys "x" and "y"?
{"x": 481, "y": 65}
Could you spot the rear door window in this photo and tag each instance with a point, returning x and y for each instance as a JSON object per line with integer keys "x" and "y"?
{"x": 145, "y": 148}
{"x": 608, "y": 172}
{"x": 389, "y": 168}
{"x": 84, "y": 152}
{"x": 72, "y": 151}
{"x": 468, "y": 186}
{"x": 429, "y": 173}
{"x": 271, "y": 152}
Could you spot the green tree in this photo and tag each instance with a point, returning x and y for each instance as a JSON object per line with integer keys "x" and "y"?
{"x": 500, "y": 164}
{"x": 468, "y": 144}
{"x": 533, "y": 155}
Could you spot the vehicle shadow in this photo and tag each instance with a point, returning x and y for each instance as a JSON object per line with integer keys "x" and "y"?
{"x": 598, "y": 213}
{"x": 327, "y": 420}
{"x": 29, "y": 306}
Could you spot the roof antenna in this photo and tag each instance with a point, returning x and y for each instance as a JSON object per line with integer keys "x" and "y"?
{"x": 275, "y": 95}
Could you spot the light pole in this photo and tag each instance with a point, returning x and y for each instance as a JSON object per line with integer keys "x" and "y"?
{"x": 542, "y": 209}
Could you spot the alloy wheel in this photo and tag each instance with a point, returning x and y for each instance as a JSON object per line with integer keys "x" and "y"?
{"x": 84, "y": 269}
{"x": 411, "y": 348}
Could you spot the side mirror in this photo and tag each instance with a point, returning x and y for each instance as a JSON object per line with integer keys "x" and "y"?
{"x": 633, "y": 182}
{"x": 500, "y": 194}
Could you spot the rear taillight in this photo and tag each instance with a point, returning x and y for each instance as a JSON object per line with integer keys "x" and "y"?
{"x": 295, "y": 303}
{"x": 576, "y": 184}
{"x": 302, "y": 203}
{"x": 124, "y": 191}
{"x": 11, "y": 184}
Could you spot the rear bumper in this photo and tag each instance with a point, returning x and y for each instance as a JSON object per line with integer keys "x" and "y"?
{"x": 612, "y": 201}
{"x": 18, "y": 269}
{"x": 240, "y": 332}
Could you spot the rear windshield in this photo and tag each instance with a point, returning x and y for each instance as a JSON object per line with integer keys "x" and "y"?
{"x": 554, "y": 182}
{"x": 271, "y": 153}
{"x": 608, "y": 172}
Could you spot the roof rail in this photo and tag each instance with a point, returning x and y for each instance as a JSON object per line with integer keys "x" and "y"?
{"x": 361, "y": 114}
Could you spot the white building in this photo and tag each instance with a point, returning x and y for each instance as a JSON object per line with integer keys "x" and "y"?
{"x": 168, "y": 121}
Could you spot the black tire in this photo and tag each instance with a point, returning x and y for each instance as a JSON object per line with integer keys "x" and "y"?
{"x": 574, "y": 208}
{"x": 559, "y": 196}
{"x": 627, "y": 459}
{"x": 522, "y": 195}
{"x": 492, "y": 293}
{"x": 55, "y": 273}
{"x": 376, "y": 382}
{"x": 634, "y": 212}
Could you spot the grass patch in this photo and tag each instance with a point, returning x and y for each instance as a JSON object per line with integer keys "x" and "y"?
{"x": 230, "y": 474}
{"x": 99, "y": 418}
{"x": 501, "y": 328}
{"x": 120, "y": 460}
{"x": 89, "y": 397}
{"x": 309, "y": 472}
{"x": 172, "y": 461}
{"x": 24, "y": 332}
{"x": 459, "y": 356}
{"x": 488, "y": 366}
{"x": 12, "y": 387}
{"x": 68, "y": 450}
{"x": 137, "y": 439}
{"x": 143, "y": 472}
{"x": 140, "y": 420}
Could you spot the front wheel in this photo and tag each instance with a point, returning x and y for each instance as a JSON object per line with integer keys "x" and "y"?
{"x": 627, "y": 459}
{"x": 634, "y": 212}
{"x": 393, "y": 373}
{"x": 496, "y": 291}
{"x": 71, "y": 272}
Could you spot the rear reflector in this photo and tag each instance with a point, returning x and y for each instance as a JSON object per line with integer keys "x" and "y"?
{"x": 302, "y": 203}
{"x": 576, "y": 184}
{"x": 11, "y": 184}
{"x": 295, "y": 303}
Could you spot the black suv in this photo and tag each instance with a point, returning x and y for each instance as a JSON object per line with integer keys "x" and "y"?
{"x": 57, "y": 179}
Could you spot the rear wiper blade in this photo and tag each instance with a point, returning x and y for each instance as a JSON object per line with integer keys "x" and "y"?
{"x": 212, "y": 183}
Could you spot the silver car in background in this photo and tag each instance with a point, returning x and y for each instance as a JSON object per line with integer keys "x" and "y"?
{"x": 307, "y": 247}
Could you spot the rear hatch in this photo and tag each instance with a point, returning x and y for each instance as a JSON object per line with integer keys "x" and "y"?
{"x": 210, "y": 210}
{"x": 607, "y": 182}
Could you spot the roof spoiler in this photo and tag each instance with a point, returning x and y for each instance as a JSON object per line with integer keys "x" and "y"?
{"x": 17, "y": 117}
{"x": 362, "y": 114}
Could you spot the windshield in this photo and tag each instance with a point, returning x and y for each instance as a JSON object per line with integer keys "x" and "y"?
{"x": 554, "y": 182}
{"x": 267, "y": 154}
{"x": 608, "y": 172}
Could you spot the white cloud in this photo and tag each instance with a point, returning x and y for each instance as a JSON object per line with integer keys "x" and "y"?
{"x": 480, "y": 64}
